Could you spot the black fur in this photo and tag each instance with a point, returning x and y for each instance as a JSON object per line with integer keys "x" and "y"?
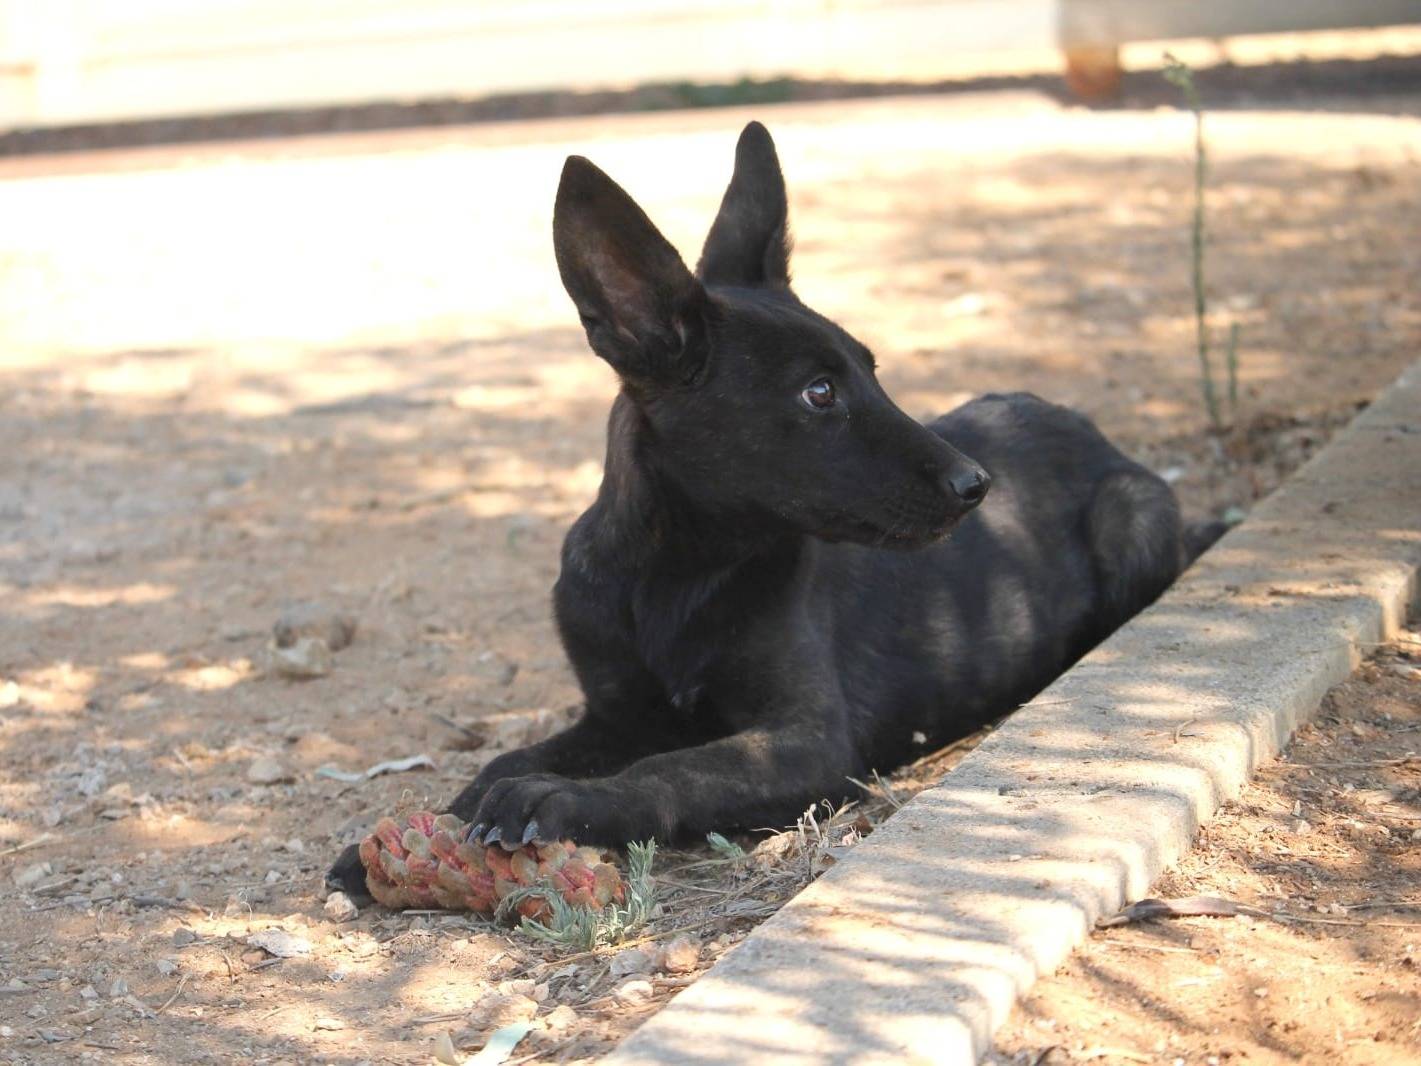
{"x": 764, "y": 600}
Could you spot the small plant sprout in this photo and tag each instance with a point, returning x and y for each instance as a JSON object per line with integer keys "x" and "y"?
{"x": 1179, "y": 75}
{"x": 725, "y": 848}
{"x": 575, "y": 928}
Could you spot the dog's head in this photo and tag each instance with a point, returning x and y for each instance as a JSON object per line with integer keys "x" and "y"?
{"x": 756, "y": 406}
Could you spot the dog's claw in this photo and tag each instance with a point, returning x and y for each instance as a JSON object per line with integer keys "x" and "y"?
{"x": 474, "y": 833}
{"x": 531, "y": 833}
{"x": 495, "y": 836}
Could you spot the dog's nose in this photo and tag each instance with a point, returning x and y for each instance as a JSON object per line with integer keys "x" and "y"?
{"x": 970, "y": 484}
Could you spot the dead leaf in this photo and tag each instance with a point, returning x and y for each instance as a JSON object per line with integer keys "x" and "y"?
{"x": 280, "y": 943}
{"x": 500, "y": 1045}
{"x": 389, "y": 766}
{"x": 444, "y": 1049}
{"x": 1188, "y": 907}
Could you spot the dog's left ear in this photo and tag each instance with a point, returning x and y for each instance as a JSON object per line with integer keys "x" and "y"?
{"x": 749, "y": 241}
{"x": 643, "y": 311}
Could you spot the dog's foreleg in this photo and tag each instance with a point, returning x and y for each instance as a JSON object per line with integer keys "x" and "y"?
{"x": 594, "y": 746}
{"x": 760, "y": 778}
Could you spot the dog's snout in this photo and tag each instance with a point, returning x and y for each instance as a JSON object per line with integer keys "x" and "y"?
{"x": 970, "y": 484}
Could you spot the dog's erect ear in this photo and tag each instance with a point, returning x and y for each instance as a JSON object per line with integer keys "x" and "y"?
{"x": 642, "y": 309}
{"x": 749, "y": 241}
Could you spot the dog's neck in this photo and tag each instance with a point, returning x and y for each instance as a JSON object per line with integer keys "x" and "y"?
{"x": 651, "y": 523}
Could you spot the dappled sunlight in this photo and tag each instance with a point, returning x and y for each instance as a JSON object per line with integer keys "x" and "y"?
{"x": 140, "y": 592}
{"x": 61, "y": 687}
{"x": 213, "y": 676}
{"x": 397, "y": 417}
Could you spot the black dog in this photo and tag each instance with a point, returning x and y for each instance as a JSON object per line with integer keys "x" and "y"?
{"x": 763, "y": 601}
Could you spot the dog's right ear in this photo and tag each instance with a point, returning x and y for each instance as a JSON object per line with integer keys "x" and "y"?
{"x": 642, "y": 309}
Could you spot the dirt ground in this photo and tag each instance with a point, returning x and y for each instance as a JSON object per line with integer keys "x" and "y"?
{"x": 1327, "y": 839}
{"x": 240, "y": 379}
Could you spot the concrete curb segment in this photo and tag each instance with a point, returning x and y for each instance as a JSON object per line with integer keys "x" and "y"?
{"x": 915, "y": 947}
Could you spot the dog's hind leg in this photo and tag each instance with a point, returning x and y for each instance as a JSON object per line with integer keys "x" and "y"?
{"x": 1136, "y": 544}
{"x": 1199, "y": 537}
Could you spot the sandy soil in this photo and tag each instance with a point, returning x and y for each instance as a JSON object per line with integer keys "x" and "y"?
{"x": 238, "y": 380}
{"x": 1327, "y": 840}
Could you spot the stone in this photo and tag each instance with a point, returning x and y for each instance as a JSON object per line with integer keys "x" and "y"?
{"x": 32, "y": 875}
{"x": 280, "y": 943}
{"x": 631, "y": 961}
{"x": 308, "y": 658}
{"x": 334, "y": 628}
{"x": 266, "y": 770}
{"x": 560, "y": 1017}
{"x": 681, "y": 955}
{"x": 340, "y": 908}
{"x": 507, "y": 730}
{"x": 499, "y": 1009}
{"x": 634, "y": 992}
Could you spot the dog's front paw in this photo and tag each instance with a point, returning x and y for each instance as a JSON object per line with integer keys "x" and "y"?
{"x": 348, "y": 875}
{"x": 543, "y": 807}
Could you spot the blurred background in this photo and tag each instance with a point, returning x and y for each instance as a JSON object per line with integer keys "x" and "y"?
{"x": 382, "y": 63}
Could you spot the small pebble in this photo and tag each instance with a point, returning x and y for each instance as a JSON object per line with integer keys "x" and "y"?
{"x": 631, "y": 961}
{"x": 497, "y": 1010}
{"x": 280, "y": 943}
{"x": 182, "y": 937}
{"x": 334, "y": 628}
{"x": 560, "y": 1017}
{"x": 167, "y": 967}
{"x": 265, "y": 770}
{"x": 309, "y": 657}
{"x": 638, "y": 990}
{"x": 32, "y": 875}
{"x": 341, "y": 908}
{"x": 679, "y": 956}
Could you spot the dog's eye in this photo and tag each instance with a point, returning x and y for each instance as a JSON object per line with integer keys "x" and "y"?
{"x": 820, "y": 395}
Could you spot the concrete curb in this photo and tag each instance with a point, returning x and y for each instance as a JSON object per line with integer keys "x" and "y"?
{"x": 915, "y": 947}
